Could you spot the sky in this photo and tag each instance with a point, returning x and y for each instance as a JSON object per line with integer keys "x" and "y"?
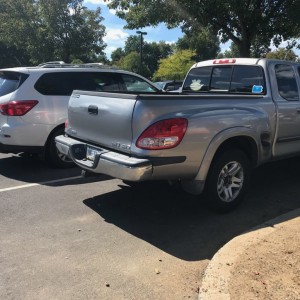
{"x": 116, "y": 35}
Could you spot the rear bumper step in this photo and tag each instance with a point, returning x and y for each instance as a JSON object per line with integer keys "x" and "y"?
{"x": 104, "y": 161}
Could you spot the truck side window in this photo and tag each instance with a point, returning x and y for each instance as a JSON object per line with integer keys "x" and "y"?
{"x": 286, "y": 81}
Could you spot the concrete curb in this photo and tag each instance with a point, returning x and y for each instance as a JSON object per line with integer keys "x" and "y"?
{"x": 215, "y": 283}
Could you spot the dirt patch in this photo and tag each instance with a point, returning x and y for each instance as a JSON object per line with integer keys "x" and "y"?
{"x": 269, "y": 269}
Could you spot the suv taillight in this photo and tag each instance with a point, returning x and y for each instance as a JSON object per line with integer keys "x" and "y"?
{"x": 163, "y": 134}
{"x": 17, "y": 108}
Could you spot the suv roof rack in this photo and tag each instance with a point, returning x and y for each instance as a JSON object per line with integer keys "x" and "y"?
{"x": 52, "y": 63}
{"x": 62, "y": 64}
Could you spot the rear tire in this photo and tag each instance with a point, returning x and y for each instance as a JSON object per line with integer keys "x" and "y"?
{"x": 53, "y": 156}
{"x": 227, "y": 181}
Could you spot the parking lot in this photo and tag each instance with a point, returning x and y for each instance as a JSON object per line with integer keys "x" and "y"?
{"x": 67, "y": 237}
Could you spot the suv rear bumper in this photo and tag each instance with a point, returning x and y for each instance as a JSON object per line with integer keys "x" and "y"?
{"x": 105, "y": 161}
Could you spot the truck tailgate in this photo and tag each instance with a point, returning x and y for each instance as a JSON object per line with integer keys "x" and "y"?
{"x": 102, "y": 118}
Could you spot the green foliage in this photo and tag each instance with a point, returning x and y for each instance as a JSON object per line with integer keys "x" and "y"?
{"x": 52, "y": 29}
{"x": 18, "y": 18}
{"x": 133, "y": 43}
{"x": 282, "y": 53}
{"x": 10, "y": 56}
{"x": 116, "y": 55}
{"x": 151, "y": 55}
{"x": 233, "y": 51}
{"x": 175, "y": 67}
{"x": 203, "y": 41}
{"x": 131, "y": 62}
{"x": 243, "y": 22}
{"x": 71, "y": 29}
{"x": 77, "y": 61}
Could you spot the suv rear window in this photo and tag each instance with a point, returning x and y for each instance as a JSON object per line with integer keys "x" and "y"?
{"x": 228, "y": 79}
{"x": 10, "y": 81}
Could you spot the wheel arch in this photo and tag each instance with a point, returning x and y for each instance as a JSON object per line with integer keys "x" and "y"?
{"x": 245, "y": 140}
{"x": 58, "y": 127}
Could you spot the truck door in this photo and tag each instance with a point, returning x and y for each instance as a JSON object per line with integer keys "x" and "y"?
{"x": 285, "y": 83}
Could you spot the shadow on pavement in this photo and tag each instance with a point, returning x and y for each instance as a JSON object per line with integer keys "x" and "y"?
{"x": 180, "y": 225}
{"x": 35, "y": 170}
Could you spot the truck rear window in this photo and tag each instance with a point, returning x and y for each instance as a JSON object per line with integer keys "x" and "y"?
{"x": 227, "y": 79}
{"x": 10, "y": 81}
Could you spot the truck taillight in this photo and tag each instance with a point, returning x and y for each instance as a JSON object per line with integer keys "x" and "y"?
{"x": 66, "y": 123}
{"x": 163, "y": 134}
{"x": 17, "y": 108}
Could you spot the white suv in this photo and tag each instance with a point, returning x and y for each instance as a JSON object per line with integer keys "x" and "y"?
{"x": 34, "y": 100}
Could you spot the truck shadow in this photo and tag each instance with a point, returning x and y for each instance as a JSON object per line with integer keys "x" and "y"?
{"x": 32, "y": 169}
{"x": 180, "y": 225}
{"x": 35, "y": 170}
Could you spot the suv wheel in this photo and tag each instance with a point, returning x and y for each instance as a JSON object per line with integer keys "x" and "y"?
{"x": 53, "y": 156}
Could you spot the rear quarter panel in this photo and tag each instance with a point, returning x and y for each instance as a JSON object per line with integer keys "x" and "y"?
{"x": 208, "y": 116}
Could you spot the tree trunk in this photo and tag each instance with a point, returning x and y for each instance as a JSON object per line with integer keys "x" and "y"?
{"x": 244, "y": 48}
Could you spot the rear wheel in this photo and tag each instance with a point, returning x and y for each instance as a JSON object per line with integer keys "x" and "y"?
{"x": 227, "y": 181}
{"x": 53, "y": 156}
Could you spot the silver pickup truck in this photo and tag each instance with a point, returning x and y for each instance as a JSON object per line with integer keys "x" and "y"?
{"x": 231, "y": 116}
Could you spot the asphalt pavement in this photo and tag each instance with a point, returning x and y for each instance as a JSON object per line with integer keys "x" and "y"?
{"x": 65, "y": 237}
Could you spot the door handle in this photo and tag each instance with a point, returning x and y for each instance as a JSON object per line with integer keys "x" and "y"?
{"x": 93, "y": 110}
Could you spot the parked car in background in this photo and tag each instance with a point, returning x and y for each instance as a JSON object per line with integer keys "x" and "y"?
{"x": 34, "y": 101}
{"x": 169, "y": 85}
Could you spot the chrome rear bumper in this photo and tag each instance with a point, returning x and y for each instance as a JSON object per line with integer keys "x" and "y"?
{"x": 105, "y": 161}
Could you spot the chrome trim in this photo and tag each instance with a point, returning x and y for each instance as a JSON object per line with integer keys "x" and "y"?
{"x": 107, "y": 162}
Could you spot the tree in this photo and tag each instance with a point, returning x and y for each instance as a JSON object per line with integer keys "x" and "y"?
{"x": 175, "y": 66}
{"x": 231, "y": 52}
{"x": 17, "y": 30}
{"x": 243, "y": 22}
{"x": 116, "y": 55}
{"x": 133, "y": 44}
{"x": 202, "y": 41}
{"x": 72, "y": 30}
{"x": 152, "y": 53}
{"x": 52, "y": 29}
{"x": 282, "y": 53}
{"x": 131, "y": 62}
{"x": 10, "y": 56}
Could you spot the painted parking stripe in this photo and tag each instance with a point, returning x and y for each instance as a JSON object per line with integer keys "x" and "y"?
{"x": 40, "y": 183}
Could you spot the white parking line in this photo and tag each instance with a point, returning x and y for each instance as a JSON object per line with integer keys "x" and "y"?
{"x": 40, "y": 183}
